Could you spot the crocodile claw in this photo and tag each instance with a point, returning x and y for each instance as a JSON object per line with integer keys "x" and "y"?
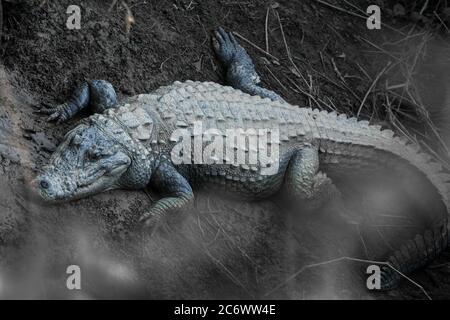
{"x": 239, "y": 65}
{"x": 57, "y": 113}
{"x": 226, "y": 46}
{"x": 152, "y": 221}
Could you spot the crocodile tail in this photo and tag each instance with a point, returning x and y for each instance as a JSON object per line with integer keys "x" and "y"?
{"x": 414, "y": 254}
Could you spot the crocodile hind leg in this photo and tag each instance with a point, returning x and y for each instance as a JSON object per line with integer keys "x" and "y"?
{"x": 99, "y": 94}
{"x": 240, "y": 70}
{"x": 305, "y": 184}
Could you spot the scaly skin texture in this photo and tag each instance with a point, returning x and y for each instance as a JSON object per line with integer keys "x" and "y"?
{"x": 129, "y": 146}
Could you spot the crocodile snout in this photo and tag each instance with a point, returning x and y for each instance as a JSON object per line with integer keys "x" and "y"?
{"x": 45, "y": 188}
{"x": 53, "y": 187}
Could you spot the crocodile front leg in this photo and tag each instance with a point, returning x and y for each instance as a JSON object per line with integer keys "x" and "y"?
{"x": 176, "y": 192}
{"x": 99, "y": 94}
{"x": 240, "y": 71}
{"x": 303, "y": 181}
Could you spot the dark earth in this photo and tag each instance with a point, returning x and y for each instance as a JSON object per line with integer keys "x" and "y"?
{"x": 318, "y": 53}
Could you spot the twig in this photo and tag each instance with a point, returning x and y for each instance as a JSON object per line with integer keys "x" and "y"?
{"x": 358, "y": 229}
{"x": 310, "y": 266}
{"x": 288, "y": 50}
{"x": 374, "y": 82}
{"x": 391, "y": 226}
{"x": 441, "y": 21}
{"x": 43, "y": 2}
{"x": 304, "y": 92}
{"x": 339, "y": 74}
{"x": 357, "y": 15}
{"x": 380, "y": 233}
{"x": 112, "y": 5}
{"x": 425, "y": 5}
{"x": 336, "y": 70}
{"x": 396, "y": 86}
{"x": 393, "y": 216}
{"x": 255, "y": 46}
{"x": 437, "y": 266}
{"x": 200, "y": 226}
{"x": 227, "y": 271}
{"x": 363, "y": 71}
{"x": 266, "y": 29}
{"x": 276, "y": 79}
{"x": 355, "y": 7}
{"x": 322, "y": 59}
{"x": 162, "y": 63}
{"x": 233, "y": 242}
{"x": 149, "y": 196}
{"x": 379, "y": 48}
{"x": 403, "y": 39}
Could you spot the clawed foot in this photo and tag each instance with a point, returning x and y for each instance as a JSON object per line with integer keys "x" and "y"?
{"x": 58, "y": 114}
{"x": 226, "y": 46}
{"x": 323, "y": 192}
{"x": 152, "y": 221}
{"x": 324, "y": 188}
{"x": 234, "y": 58}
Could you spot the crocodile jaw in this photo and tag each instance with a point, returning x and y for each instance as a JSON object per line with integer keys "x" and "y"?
{"x": 56, "y": 186}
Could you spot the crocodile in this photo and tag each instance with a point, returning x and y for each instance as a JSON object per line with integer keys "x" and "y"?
{"x": 129, "y": 144}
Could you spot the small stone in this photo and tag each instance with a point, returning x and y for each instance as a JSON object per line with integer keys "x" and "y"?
{"x": 43, "y": 142}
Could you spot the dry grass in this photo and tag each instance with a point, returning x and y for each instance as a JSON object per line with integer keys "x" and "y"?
{"x": 332, "y": 261}
{"x": 390, "y": 98}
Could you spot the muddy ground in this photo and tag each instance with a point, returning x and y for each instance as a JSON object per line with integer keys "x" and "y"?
{"x": 316, "y": 55}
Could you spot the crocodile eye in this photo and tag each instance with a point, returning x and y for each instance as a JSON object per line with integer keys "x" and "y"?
{"x": 94, "y": 154}
{"x": 76, "y": 140}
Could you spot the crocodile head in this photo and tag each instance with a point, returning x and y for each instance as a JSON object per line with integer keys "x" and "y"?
{"x": 88, "y": 161}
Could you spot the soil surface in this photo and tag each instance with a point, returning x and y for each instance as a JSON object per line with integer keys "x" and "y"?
{"x": 309, "y": 52}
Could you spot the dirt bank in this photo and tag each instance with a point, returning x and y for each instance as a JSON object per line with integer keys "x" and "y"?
{"x": 315, "y": 56}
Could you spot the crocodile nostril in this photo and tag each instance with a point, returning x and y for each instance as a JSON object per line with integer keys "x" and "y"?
{"x": 44, "y": 184}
